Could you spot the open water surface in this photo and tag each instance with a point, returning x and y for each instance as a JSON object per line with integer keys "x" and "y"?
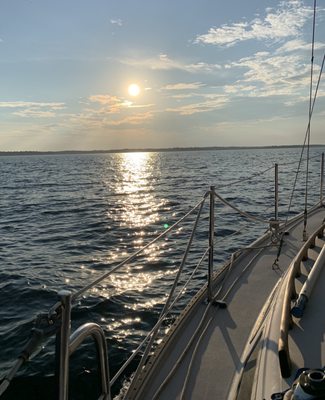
{"x": 67, "y": 219}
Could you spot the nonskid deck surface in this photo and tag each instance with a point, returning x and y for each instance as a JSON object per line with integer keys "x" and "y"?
{"x": 309, "y": 331}
{"x": 210, "y": 362}
{"x": 305, "y": 349}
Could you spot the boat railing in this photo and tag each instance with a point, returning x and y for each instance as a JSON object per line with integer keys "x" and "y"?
{"x": 58, "y": 319}
{"x": 290, "y": 294}
{"x": 146, "y": 345}
{"x": 69, "y": 343}
{"x": 145, "y": 348}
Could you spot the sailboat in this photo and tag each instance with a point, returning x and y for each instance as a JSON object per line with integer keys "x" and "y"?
{"x": 255, "y": 329}
{"x": 220, "y": 350}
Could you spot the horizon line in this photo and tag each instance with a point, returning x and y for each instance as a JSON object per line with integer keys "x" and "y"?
{"x": 150, "y": 149}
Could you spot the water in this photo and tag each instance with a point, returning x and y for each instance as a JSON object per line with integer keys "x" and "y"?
{"x": 67, "y": 219}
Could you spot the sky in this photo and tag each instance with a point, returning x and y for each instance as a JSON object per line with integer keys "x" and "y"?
{"x": 208, "y": 73}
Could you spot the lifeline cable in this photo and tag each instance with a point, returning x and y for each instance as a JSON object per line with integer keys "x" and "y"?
{"x": 245, "y": 179}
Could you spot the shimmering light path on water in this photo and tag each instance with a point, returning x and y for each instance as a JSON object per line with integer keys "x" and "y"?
{"x": 67, "y": 219}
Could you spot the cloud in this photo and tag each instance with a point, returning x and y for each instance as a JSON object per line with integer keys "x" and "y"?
{"x": 31, "y": 104}
{"x": 183, "y": 95}
{"x": 163, "y": 62}
{"x": 202, "y": 67}
{"x": 184, "y": 86}
{"x": 110, "y": 104}
{"x": 29, "y": 109}
{"x": 298, "y": 44}
{"x": 272, "y": 70}
{"x": 284, "y": 22}
{"x": 279, "y": 74}
{"x": 103, "y": 111}
{"x": 134, "y": 119}
{"x": 116, "y": 22}
{"x": 269, "y": 69}
{"x": 92, "y": 119}
{"x": 132, "y": 105}
{"x": 239, "y": 88}
{"x": 204, "y": 106}
{"x": 113, "y": 104}
{"x": 34, "y": 113}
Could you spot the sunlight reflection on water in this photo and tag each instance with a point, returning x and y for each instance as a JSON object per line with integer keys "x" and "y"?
{"x": 136, "y": 174}
{"x": 69, "y": 219}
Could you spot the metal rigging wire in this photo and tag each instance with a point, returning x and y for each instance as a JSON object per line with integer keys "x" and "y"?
{"x": 304, "y": 159}
{"x": 312, "y": 102}
{"x": 309, "y": 118}
{"x": 245, "y": 179}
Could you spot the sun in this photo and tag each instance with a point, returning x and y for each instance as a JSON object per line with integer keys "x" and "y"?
{"x": 134, "y": 89}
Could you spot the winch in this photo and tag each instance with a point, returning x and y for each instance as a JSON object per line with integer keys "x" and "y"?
{"x": 309, "y": 385}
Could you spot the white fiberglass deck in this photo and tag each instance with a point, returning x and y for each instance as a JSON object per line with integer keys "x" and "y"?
{"x": 207, "y": 368}
{"x": 302, "y": 336}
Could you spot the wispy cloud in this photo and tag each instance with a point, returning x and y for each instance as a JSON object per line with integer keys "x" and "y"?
{"x": 286, "y": 21}
{"x": 184, "y": 86}
{"x": 267, "y": 74}
{"x": 199, "y": 107}
{"x": 103, "y": 111}
{"x": 29, "y": 109}
{"x": 263, "y": 67}
{"x": 92, "y": 119}
{"x": 31, "y": 104}
{"x": 298, "y": 45}
{"x": 163, "y": 62}
{"x": 32, "y": 113}
{"x": 113, "y": 104}
{"x": 116, "y": 22}
{"x": 180, "y": 96}
{"x": 110, "y": 104}
{"x": 134, "y": 119}
{"x": 240, "y": 88}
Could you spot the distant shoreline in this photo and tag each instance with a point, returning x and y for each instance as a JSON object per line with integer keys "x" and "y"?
{"x": 149, "y": 150}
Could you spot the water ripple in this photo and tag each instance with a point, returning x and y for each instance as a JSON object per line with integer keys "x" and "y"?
{"x": 67, "y": 219}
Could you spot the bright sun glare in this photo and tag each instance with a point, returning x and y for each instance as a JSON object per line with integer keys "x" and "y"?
{"x": 134, "y": 89}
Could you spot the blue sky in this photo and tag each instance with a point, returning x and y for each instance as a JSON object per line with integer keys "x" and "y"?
{"x": 210, "y": 73}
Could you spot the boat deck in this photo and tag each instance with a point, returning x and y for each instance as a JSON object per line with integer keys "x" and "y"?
{"x": 201, "y": 362}
{"x": 302, "y": 336}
